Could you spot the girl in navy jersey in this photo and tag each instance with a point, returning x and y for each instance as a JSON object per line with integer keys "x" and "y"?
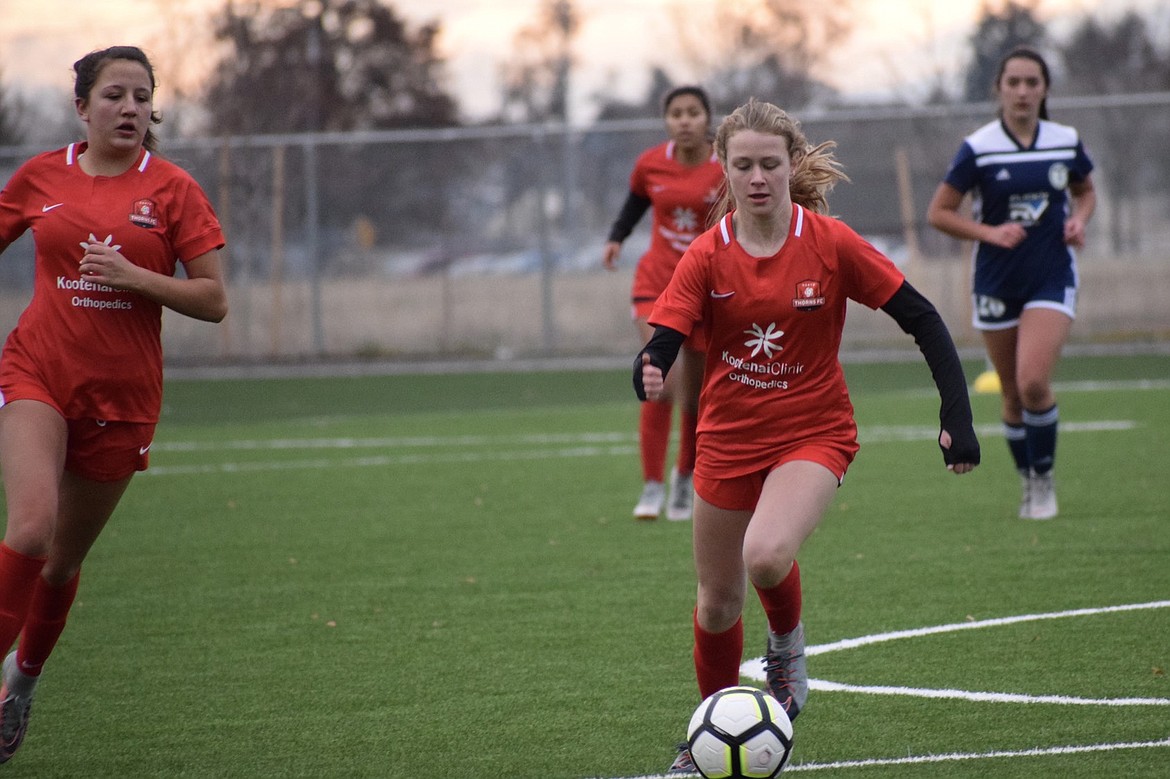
{"x": 770, "y": 283}
{"x": 1033, "y": 199}
{"x": 679, "y": 182}
{"x": 81, "y": 374}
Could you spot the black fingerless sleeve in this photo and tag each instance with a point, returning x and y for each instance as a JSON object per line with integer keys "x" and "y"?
{"x": 631, "y": 212}
{"x": 663, "y": 349}
{"x": 919, "y": 318}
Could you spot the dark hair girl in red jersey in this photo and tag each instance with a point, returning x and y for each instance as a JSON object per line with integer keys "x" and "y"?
{"x": 679, "y": 182}
{"x": 81, "y": 374}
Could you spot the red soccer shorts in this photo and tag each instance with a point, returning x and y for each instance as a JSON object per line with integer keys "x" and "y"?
{"x": 107, "y": 451}
{"x": 95, "y": 449}
{"x": 741, "y": 493}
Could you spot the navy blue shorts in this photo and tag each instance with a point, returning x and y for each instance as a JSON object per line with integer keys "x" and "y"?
{"x": 989, "y": 312}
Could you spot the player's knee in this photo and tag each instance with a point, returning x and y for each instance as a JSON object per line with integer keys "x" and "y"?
{"x": 767, "y": 567}
{"x": 1035, "y": 391}
{"x": 717, "y": 610}
{"x": 30, "y": 527}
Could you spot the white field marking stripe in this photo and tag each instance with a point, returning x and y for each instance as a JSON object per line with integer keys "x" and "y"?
{"x": 1090, "y": 385}
{"x": 868, "y": 434}
{"x": 387, "y": 460}
{"x": 1075, "y": 749}
{"x": 883, "y": 434}
{"x": 397, "y": 442}
{"x": 754, "y": 668}
{"x": 1087, "y": 385}
{"x": 877, "y": 638}
{"x": 998, "y": 754}
{"x": 982, "y": 697}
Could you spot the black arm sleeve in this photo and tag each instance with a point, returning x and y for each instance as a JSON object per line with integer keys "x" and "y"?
{"x": 663, "y": 349}
{"x": 631, "y": 212}
{"x": 919, "y": 318}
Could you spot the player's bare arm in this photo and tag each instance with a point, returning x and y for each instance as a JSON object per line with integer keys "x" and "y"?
{"x": 200, "y": 295}
{"x": 943, "y": 214}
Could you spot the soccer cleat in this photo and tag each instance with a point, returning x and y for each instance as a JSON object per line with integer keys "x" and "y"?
{"x": 683, "y": 765}
{"x": 682, "y": 497}
{"x": 1043, "y": 496}
{"x": 14, "y": 711}
{"x": 650, "y": 504}
{"x": 786, "y": 671}
{"x": 1025, "y": 495}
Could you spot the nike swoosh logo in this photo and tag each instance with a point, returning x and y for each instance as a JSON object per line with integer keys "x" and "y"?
{"x": 721, "y": 295}
{"x": 145, "y": 449}
{"x": 46, "y": 209}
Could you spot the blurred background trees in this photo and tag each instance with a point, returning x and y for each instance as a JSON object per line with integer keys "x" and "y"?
{"x": 255, "y": 66}
{"x": 324, "y": 65}
{"x": 10, "y": 112}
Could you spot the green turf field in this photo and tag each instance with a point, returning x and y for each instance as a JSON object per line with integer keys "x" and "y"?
{"x": 437, "y": 576}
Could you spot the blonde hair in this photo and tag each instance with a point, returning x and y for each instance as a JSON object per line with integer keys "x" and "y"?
{"x": 815, "y": 170}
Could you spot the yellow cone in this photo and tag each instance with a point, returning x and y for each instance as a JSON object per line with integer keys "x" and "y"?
{"x": 987, "y": 383}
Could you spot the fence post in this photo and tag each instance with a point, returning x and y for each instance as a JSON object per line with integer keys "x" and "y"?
{"x": 276, "y": 272}
{"x": 548, "y": 323}
{"x": 313, "y": 242}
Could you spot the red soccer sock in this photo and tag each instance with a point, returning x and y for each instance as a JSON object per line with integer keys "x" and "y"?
{"x": 46, "y": 619}
{"x": 688, "y": 421}
{"x": 18, "y": 576}
{"x": 718, "y": 657}
{"x": 654, "y": 435}
{"x": 782, "y": 602}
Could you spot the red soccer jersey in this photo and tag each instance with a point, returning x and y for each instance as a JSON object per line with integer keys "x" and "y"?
{"x": 97, "y": 349}
{"x": 774, "y": 324}
{"x": 681, "y": 197}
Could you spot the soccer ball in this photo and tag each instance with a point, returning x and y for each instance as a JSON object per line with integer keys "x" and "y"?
{"x": 740, "y": 733}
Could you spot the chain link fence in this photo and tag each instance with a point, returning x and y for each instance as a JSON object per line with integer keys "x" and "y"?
{"x": 486, "y": 242}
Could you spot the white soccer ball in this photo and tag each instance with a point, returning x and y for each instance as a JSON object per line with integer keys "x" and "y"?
{"x": 740, "y": 733}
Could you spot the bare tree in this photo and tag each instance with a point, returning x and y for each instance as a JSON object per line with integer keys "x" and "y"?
{"x": 769, "y": 49}
{"x": 645, "y": 107}
{"x": 325, "y": 65}
{"x": 328, "y": 65}
{"x": 11, "y": 110}
{"x": 536, "y": 77}
{"x": 996, "y": 33}
{"x": 180, "y": 51}
{"x": 1101, "y": 59}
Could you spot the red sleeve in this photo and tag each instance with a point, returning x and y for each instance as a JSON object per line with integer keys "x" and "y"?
{"x": 681, "y": 303}
{"x": 198, "y": 230}
{"x": 638, "y": 184}
{"x": 870, "y": 277}
{"x": 12, "y": 198}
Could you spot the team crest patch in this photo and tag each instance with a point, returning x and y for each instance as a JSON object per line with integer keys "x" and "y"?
{"x": 1058, "y": 175}
{"x": 808, "y": 296}
{"x": 143, "y": 213}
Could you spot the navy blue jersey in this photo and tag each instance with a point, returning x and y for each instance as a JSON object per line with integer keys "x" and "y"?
{"x": 1027, "y": 185}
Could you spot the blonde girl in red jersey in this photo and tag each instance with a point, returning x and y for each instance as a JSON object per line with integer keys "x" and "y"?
{"x": 81, "y": 374}
{"x": 776, "y": 433}
{"x": 679, "y": 181}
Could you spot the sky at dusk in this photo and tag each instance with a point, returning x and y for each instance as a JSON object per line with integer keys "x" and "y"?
{"x": 894, "y": 45}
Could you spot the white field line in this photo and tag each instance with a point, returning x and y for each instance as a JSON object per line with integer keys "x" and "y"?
{"x": 571, "y": 445}
{"x": 381, "y": 461}
{"x": 393, "y": 442}
{"x": 1112, "y": 386}
{"x": 997, "y": 754}
{"x": 754, "y": 668}
{"x": 953, "y": 757}
{"x": 982, "y": 697}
